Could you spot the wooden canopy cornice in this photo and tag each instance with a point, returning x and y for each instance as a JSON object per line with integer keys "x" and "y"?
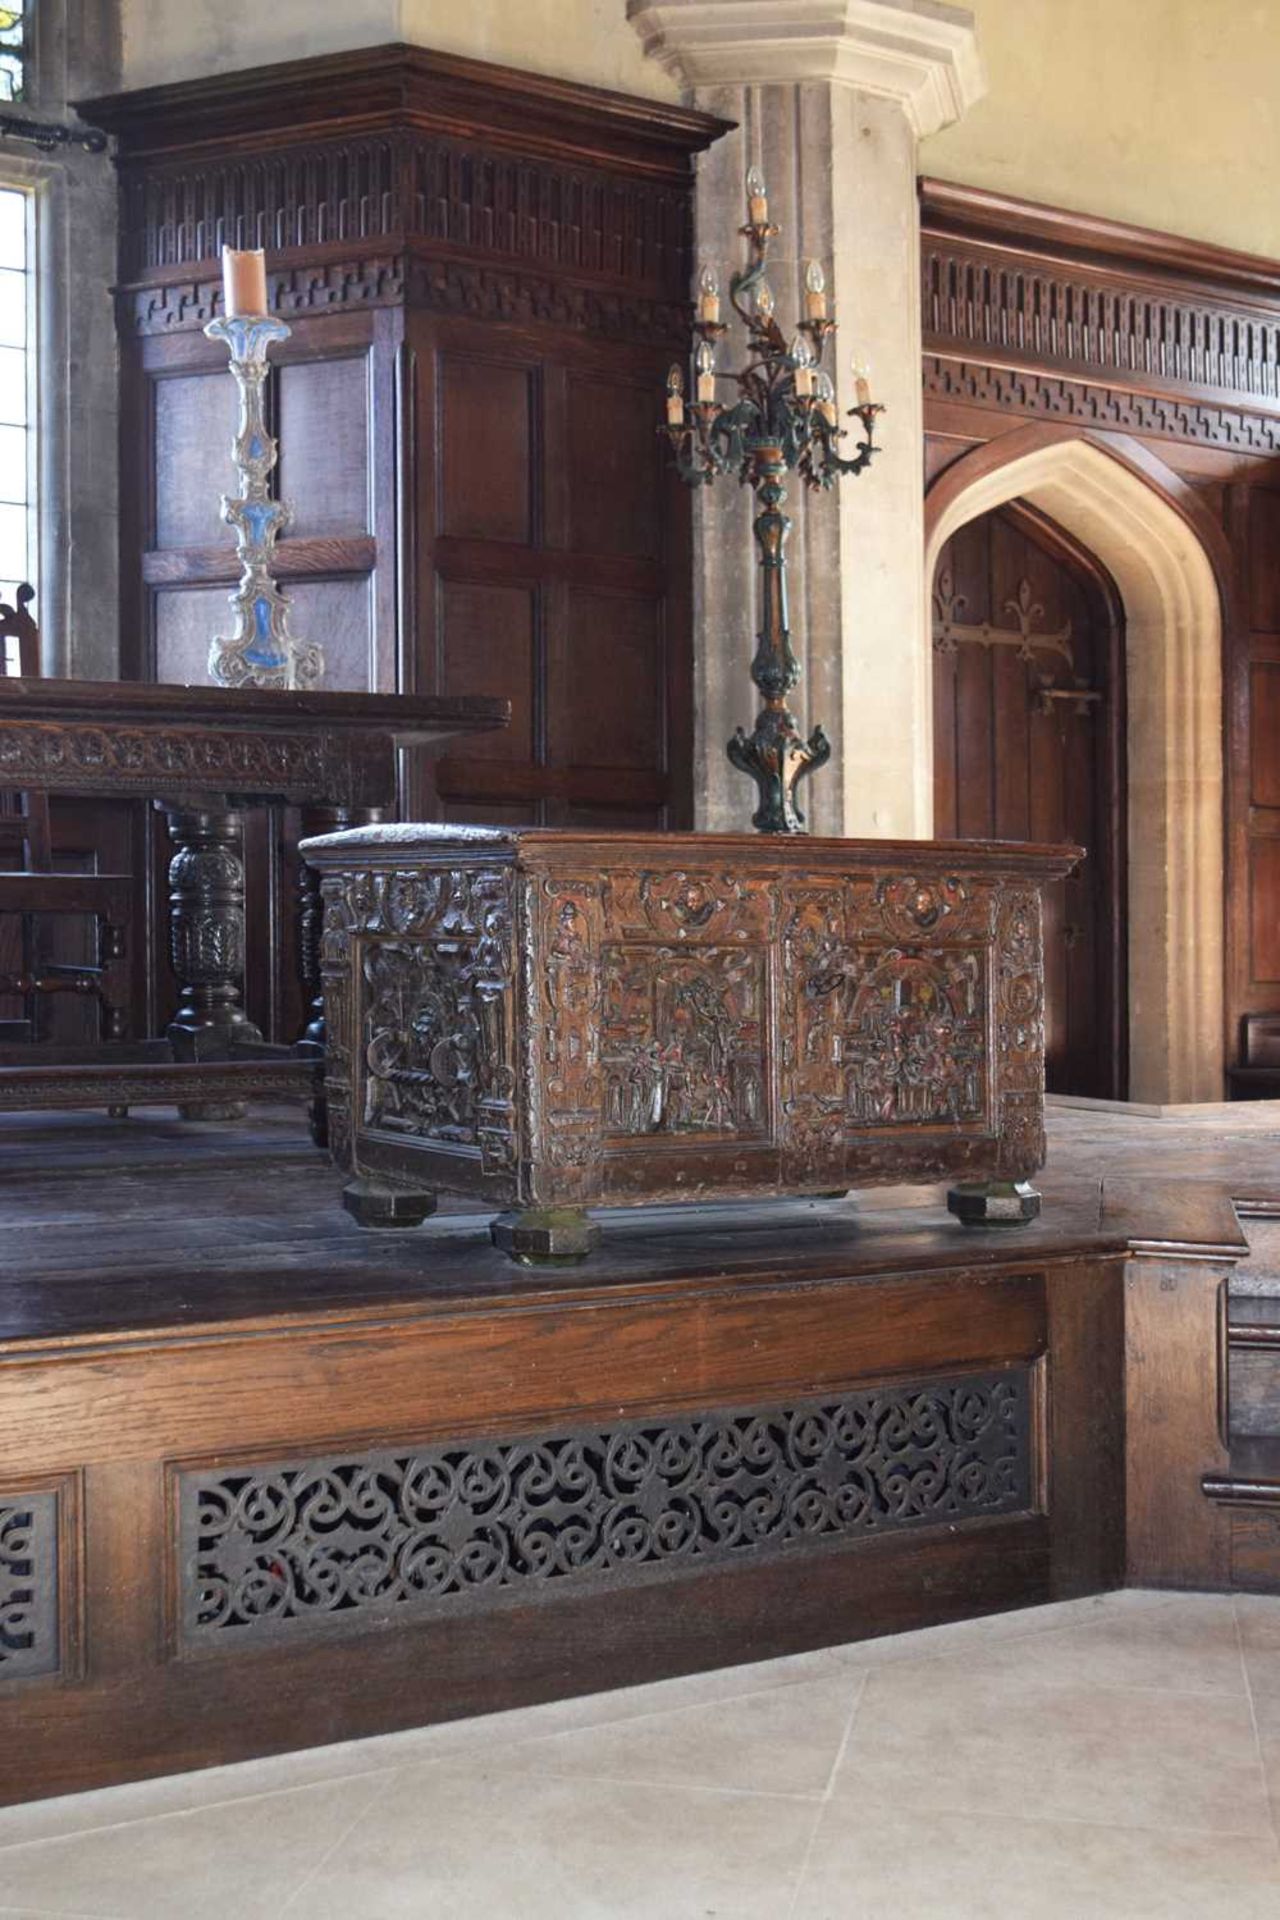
{"x": 392, "y": 88}
{"x": 1004, "y": 222}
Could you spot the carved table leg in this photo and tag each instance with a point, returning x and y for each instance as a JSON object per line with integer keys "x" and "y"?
{"x": 310, "y": 911}
{"x": 545, "y": 1236}
{"x": 994, "y": 1203}
{"x": 206, "y": 943}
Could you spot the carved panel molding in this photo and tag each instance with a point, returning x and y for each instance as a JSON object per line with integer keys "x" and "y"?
{"x": 453, "y": 227}
{"x": 1053, "y": 312}
{"x": 349, "y": 1540}
{"x": 442, "y": 286}
{"x": 29, "y": 1574}
{"x": 355, "y": 191}
{"x": 345, "y": 769}
{"x": 1052, "y": 397}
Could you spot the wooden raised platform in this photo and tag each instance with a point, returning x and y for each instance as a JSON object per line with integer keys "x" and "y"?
{"x": 267, "y": 1481}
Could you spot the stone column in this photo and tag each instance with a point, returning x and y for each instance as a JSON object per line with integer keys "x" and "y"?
{"x": 831, "y": 98}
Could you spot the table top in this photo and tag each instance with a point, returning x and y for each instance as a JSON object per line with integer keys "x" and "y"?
{"x": 409, "y": 718}
{"x": 177, "y": 743}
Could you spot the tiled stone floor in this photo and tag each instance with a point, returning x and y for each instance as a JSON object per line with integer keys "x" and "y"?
{"x": 1110, "y": 1759}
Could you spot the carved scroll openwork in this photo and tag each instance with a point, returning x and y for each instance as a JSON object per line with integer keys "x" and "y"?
{"x": 351, "y": 1539}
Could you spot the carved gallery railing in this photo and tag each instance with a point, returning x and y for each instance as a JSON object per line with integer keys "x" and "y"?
{"x": 203, "y": 754}
{"x": 550, "y": 1021}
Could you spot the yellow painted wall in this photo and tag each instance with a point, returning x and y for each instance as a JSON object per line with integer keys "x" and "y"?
{"x": 1163, "y": 112}
{"x": 585, "y": 40}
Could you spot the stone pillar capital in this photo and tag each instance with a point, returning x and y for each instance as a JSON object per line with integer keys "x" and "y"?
{"x": 919, "y": 53}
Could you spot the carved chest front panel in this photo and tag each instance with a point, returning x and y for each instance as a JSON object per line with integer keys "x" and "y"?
{"x": 566, "y": 1022}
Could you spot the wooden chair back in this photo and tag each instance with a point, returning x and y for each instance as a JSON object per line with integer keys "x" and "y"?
{"x": 24, "y": 824}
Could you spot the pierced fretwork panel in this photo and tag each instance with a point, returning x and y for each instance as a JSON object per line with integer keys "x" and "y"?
{"x": 29, "y": 1641}
{"x": 349, "y": 1540}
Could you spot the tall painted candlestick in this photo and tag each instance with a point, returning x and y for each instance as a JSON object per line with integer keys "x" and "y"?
{"x": 262, "y": 652}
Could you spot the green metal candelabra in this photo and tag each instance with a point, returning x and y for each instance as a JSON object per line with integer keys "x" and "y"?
{"x": 784, "y": 420}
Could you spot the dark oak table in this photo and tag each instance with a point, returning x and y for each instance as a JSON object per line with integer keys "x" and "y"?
{"x": 203, "y": 755}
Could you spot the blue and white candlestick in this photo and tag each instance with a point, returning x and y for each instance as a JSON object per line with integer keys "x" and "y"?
{"x": 262, "y": 652}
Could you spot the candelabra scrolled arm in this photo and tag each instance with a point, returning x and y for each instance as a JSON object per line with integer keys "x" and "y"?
{"x": 821, "y": 465}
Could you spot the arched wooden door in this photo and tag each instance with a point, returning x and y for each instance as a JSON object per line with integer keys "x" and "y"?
{"x": 1028, "y": 652}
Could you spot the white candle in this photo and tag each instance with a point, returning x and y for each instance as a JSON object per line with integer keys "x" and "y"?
{"x": 862, "y": 382}
{"x": 244, "y": 282}
{"x": 675, "y": 398}
{"x": 708, "y": 296}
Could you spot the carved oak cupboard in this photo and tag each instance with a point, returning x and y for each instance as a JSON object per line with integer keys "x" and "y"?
{"x": 487, "y": 274}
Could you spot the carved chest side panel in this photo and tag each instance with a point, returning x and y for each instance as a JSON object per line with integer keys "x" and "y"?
{"x": 419, "y": 995}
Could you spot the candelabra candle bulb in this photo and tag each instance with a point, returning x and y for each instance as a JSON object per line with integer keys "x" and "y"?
{"x": 815, "y": 291}
{"x": 706, "y": 363}
{"x": 708, "y": 296}
{"x": 862, "y": 382}
{"x": 802, "y": 378}
{"x": 763, "y": 302}
{"x": 826, "y": 399}
{"x": 675, "y": 398}
{"x": 757, "y": 199}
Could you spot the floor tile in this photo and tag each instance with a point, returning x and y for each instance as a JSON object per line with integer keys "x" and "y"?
{"x": 785, "y": 1741}
{"x": 464, "y": 1843}
{"x": 244, "y": 1858}
{"x": 958, "y": 1636}
{"x": 949, "y": 1866}
{"x": 1188, "y": 1645}
{"x": 1263, "y": 1672}
{"x": 112, "y": 1806}
{"x": 933, "y": 1733}
{"x": 1259, "y": 1618}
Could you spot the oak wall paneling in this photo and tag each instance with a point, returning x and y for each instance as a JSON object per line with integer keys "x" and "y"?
{"x": 1033, "y": 313}
{"x": 487, "y": 275}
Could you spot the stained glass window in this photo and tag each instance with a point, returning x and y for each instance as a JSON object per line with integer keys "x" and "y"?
{"x": 17, "y": 488}
{"x": 15, "y": 23}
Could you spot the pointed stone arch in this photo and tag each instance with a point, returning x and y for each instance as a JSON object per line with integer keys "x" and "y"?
{"x": 1170, "y": 563}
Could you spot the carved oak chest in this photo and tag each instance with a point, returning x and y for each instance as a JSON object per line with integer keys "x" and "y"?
{"x": 553, "y": 1021}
